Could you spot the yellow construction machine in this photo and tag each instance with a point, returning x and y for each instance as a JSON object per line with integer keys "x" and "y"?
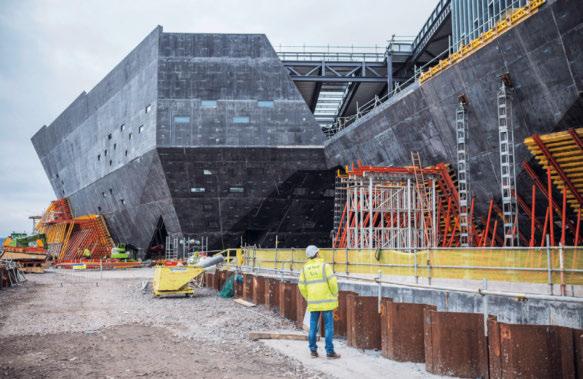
{"x": 181, "y": 280}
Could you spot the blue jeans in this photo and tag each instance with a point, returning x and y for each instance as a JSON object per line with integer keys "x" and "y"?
{"x": 328, "y": 317}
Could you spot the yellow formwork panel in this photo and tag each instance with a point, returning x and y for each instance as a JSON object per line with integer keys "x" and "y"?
{"x": 174, "y": 280}
{"x": 511, "y": 265}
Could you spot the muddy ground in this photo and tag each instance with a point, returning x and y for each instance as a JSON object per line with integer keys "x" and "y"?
{"x": 69, "y": 324}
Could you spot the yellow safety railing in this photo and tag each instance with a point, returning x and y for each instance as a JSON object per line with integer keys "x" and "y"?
{"x": 552, "y": 265}
{"x": 513, "y": 18}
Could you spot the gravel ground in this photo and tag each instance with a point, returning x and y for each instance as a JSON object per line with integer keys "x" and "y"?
{"x": 65, "y": 324}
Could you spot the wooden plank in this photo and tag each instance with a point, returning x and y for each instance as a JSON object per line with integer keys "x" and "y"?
{"x": 274, "y": 335}
{"x": 9, "y": 255}
{"x": 244, "y": 302}
{"x": 32, "y": 270}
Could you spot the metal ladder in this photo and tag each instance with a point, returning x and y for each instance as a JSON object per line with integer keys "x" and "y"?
{"x": 339, "y": 202}
{"x": 462, "y": 173}
{"x": 171, "y": 248}
{"x": 424, "y": 196}
{"x": 507, "y": 167}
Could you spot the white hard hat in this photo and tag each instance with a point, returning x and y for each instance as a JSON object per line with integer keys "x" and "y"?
{"x": 311, "y": 251}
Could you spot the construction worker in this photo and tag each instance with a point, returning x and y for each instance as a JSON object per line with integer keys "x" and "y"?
{"x": 318, "y": 285}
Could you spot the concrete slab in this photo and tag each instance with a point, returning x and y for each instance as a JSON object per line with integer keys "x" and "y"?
{"x": 354, "y": 363}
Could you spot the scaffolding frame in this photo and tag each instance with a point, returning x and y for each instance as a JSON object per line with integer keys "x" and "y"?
{"x": 182, "y": 246}
{"x": 385, "y": 209}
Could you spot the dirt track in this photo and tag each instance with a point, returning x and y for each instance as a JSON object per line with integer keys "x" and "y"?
{"x": 62, "y": 325}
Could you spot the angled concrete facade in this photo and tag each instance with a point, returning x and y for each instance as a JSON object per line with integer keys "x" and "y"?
{"x": 544, "y": 58}
{"x": 204, "y": 133}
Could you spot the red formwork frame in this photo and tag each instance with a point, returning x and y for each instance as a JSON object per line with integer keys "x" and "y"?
{"x": 444, "y": 183}
{"x": 544, "y": 190}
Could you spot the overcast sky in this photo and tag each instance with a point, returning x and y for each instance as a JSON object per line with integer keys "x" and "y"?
{"x": 50, "y": 51}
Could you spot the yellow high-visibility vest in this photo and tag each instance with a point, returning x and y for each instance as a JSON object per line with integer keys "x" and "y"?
{"x": 319, "y": 286}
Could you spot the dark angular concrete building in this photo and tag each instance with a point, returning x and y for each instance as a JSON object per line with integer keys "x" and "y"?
{"x": 208, "y": 134}
{"x": 202, "y": 134}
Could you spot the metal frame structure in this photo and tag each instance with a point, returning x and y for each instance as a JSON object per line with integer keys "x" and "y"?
{"x": 507, "y": 166}
{"x": 385, "y": 209}
{"x": 426, "y": 35}
{"x": 182, "y": 246}
{"x": 471, "y": 18}
{"x": 335, "y": 79}
{"x": 463, "y": 173}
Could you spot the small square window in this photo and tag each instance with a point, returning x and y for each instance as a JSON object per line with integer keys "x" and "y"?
{"x": 265, "y": 104}
{"x": 207, "y": 172}
{"x": 110, "y": 162}
{"x": 130, "y": 136}
{"x": 99, "y": 209}
{"x": 109, "y": 136}
{"x": 241, "y": 120}
{"x": 148, "y": 108}
{"x": 122, "y": 127}
{"x": 236, "y": 189}
{"x": 122, "y": 201}
{"x": 98, "y": 157}
{"x": 103, "y": 194}
{"x": 181, "y": 119}
{"x": 197, "y": 189}
{"x": 105, "y": 153}
{"x": 111, "y": 191}
{"x": 126, "y": 153}
{"x": 141, "y": 129}
{"x": 57, "y": 175}
{"x": 208, "y": 104}
{"x": 114, "y": 146}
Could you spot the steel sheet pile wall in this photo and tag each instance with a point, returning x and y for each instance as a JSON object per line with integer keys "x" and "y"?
{"x": 248, "y": 287}
{"x": 363, "y": 322}
{"x": 455, "y": 344}
{"x": 340, "y": 314}
{"x": 258, "y": 290}
{"x": 402, "y": 331}
{"x": 209, "y": 279}
{"x": 301, "y": 306}
{"x": 450, "y": 343}
{"x": 534, "y": 351}
{"x": 287, "y": 300}
{"x": 272, "y": 293}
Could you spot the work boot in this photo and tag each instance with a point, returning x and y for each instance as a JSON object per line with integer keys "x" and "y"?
{"x": 333, "y": 356}
{"x": 314, "y": 354}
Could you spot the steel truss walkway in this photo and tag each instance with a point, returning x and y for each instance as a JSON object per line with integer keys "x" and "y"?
{"x": 333, "y": 80}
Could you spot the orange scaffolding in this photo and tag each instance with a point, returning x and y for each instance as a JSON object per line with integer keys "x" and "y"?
{"x": 69, "y": 237}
